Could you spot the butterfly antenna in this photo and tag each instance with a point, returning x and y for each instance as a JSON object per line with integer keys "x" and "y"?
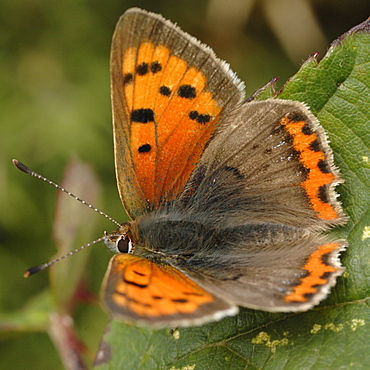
{"x": 34, "y": 270}
{"x": 30, "y": 172}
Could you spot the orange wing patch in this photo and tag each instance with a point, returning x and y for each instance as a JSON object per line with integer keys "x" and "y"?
{"x": 317, "y": 270}
{"x": 171, "y": 113}
{"x": 151, "y": 291}
{"x": 314, "y": 159}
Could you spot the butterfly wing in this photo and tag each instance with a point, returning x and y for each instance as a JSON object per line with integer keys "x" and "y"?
{"x": 169, "y": 93}
{"x": 248, "y": 226}
{"x": 292, "y": 275}
{"x": 280, "y": 155}
{"x": 137, "y": 289}
{"x": 240, "y": 194}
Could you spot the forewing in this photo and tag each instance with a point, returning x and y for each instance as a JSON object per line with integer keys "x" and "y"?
{"x": 169, "y": 94}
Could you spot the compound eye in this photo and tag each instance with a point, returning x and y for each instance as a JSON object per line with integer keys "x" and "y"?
{"x": 124, "y": 245}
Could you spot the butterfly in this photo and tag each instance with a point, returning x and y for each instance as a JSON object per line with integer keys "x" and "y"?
{"x": 228, "y": 199}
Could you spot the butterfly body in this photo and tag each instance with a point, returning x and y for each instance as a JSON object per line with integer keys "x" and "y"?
{"x": 228, "y": 200}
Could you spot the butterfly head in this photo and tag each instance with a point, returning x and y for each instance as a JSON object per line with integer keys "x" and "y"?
{"x": 121, "y": 240}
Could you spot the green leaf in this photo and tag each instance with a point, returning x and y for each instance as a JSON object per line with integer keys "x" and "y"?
{"x": 336, "y": 334}
{"x": 326, "y": 338}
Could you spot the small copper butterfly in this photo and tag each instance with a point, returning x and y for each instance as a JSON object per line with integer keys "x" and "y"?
{"x": 228, "y": 199}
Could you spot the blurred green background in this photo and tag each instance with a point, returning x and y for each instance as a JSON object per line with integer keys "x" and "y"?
{"x": 55, "y": 106}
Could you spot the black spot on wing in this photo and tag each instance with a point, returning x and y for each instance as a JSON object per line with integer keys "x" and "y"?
{"x": 145, "y": 148}
{"x": 323, "y": 165}
{"x": 306, "y": 129}
{"x": 155, "y": 67}
{"x": 203, "y": 118}
{"x": 128, "y": 78}
{"x": 296, "y": 117}
{"x": 179, "y": 300}
{"x": 165, "y": 91}
{"x": 315, "y": 146}
{"x": 200, "y": 118}
{"x": 142, "y": 115}
{"x": 187, "y": 92}
{"x": 142, "y": 286}
{"x": 142, "y": 69}
{"x": 193, "y": 115}
{"x": 322, "y": 194}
